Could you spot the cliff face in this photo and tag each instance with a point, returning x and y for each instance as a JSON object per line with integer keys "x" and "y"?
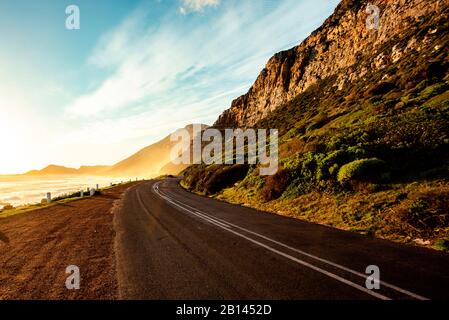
{"x": 342, "y": 47}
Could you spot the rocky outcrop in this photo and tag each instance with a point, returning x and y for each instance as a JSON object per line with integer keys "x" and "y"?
{"x": 337, "y": 48}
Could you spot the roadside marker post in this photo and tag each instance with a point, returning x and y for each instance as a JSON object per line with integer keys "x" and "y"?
{"x": 82, "y": 193}
{"x": 48, "y": 197}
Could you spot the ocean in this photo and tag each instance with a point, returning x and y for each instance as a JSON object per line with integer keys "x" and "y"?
{"x": 22, "y": 190}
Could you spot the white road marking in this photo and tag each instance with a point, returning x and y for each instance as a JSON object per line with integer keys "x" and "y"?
{"x": 227, "y": 226}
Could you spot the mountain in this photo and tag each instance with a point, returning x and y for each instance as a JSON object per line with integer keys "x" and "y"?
{"x": 151, "y": 161}
{"x": 342, "y": 48}
{"x": 60, "y": 170}
{"x": 363, "y": 120}
{"x": 54, "y": 170}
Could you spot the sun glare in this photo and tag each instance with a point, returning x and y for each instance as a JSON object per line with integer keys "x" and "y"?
{"x": 12, "y": 159}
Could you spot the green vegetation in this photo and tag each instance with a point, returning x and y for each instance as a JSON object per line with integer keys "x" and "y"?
{"x": 442, "y": 245}
{"x": 209, "y": 180}
{"x": 378, "y": 169}
{"x": 363, "y": 171}
{"x": 371, "y": 158}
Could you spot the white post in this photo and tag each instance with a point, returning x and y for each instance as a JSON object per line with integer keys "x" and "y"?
{"x": 48, "y": 197}
{"x": 82, "y": 193}
{"x": 92, "y": 191}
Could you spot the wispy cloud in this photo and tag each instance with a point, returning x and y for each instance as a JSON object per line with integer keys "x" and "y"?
{"x": 196, "y": 5}
{"x": 186, "y": 69}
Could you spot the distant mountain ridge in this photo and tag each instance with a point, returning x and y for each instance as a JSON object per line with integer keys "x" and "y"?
{"x": 54, "y": 170}
{"x": 150, "y": 161}
{"x": 61, "y": 170}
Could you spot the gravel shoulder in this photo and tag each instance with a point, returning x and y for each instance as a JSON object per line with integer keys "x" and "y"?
{"x": 37, "y": 247}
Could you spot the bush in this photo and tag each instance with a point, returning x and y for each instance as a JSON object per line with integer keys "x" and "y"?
{"x": 253, "y": 180}
{"x": 366, "y": 170}
{"x": 297, "y": 188}
{"x": 327, "y": 166}
{"x": 427, "y": 209}
{"x": 442, "y": 244}
{"x": 225, "y": 177}
{"x": 380, "y": 89}
{"x": 194, "y": 177}
{"x": 433, "y": 90}
{"x": 275, "y": 185}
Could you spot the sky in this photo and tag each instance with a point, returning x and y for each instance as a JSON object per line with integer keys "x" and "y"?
{"x": 134, "y": 72}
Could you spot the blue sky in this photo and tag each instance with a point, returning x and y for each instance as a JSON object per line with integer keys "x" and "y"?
{"x": 135, "y": 71}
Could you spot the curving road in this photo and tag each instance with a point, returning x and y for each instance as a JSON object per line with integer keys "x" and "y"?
{"x": 171, "y": 244}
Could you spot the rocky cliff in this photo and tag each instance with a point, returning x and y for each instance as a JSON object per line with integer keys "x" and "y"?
{"x": 343, "y": 47}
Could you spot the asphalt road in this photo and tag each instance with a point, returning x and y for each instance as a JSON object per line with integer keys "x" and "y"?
{"x": 171, "y": 244}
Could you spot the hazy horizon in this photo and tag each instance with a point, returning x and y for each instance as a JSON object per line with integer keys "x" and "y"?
{"x": 27, "y": 190}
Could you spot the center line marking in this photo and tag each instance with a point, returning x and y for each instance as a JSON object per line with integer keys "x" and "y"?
{"x": 269, "y": 248}
{"x": 364, "y": 276}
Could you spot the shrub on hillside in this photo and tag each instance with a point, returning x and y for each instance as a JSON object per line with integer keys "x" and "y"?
{"x": 426, "y": 209}
{"x": 275, "y": 185}
{"x": 297, "y": 188}
{"x": 442, "y": 244}
{"x": 225, "y": 177}
{"x": 194, "y": 176}
{"x": 253, "y": 180}
{"x": 433, "y": 90}
{"x": 379, "y": 89}
{"x": 366, "y": 171}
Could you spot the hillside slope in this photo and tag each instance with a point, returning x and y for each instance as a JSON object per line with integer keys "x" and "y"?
{"x": 151, "y": 161}
{"x": 363, "y": 117}
{"x": 148, "y": 162}
{"x": 342, "y": 47}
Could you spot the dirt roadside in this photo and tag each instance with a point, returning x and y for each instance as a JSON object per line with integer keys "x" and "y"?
{"x": 37, "y": 247}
